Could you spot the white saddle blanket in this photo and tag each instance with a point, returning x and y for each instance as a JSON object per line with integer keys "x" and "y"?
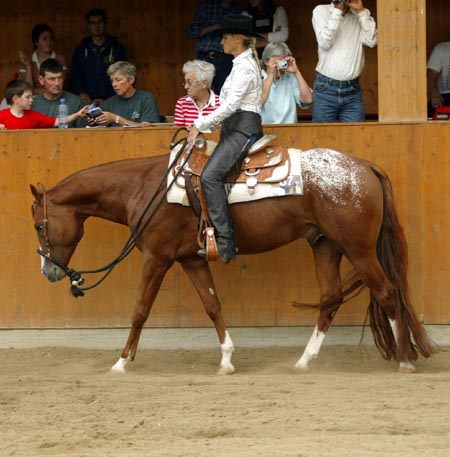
{"x": 293, "y": 185}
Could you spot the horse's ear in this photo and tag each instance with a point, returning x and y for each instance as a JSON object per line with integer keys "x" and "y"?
{"x": 37, "y": 193}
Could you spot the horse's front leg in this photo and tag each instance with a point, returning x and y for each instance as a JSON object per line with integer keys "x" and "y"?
{"x": 327, "y": 259}
{"x": 200, "y": 275}
{"x": 153, "y": 273}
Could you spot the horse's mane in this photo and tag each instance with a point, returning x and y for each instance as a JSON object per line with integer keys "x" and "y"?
{"x": 125, "y": 174}
{"x": 126, "y": 166}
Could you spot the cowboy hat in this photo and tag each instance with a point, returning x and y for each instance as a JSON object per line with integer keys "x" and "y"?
{"x": 237, "y": 24}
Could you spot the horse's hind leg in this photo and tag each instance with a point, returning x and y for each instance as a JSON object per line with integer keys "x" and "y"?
{"x": 384, "y": 306}
{"x": 405, "y": 366}
{"x": 152, "y": 276}
{"x": 200, "y": 275}
{"x": 327, "y": 259}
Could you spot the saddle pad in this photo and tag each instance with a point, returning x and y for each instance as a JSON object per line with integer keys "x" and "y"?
{"x": 293, "y": 185}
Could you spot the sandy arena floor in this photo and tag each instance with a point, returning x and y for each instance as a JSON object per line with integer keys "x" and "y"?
{"x": 58, "y": 398}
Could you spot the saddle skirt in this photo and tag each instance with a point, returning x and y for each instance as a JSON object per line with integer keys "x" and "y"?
{"x": 265, "y": 165}
{"x": 274, "y": 171}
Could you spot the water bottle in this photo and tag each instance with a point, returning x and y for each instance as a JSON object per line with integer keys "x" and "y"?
{"x": 62, "y": 114}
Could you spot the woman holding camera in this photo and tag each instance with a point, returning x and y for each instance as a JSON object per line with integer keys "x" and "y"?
{"x": 239, "y": 112}
{"x": 284, "y": 86}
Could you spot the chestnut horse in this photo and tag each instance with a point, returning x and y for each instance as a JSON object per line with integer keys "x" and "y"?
{"x": 348, "y": 201}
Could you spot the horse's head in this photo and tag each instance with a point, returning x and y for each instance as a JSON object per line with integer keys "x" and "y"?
{"x": 59, "y": 230}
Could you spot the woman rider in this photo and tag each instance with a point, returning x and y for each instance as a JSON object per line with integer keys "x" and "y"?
{"x": 239, "y": 112}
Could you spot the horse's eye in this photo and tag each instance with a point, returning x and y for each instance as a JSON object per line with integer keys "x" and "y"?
{"x": 39, "y": 228}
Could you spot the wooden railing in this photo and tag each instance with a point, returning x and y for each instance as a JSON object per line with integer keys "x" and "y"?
{"x": 415, "y": 155}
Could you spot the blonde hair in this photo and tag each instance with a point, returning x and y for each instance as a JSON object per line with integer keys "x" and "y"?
{"x": 249, "y": 42}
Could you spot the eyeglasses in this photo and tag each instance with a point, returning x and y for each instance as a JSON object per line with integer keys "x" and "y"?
{"x": 190, "y": 82}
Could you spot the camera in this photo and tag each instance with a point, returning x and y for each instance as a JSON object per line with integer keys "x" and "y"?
{"x": 282, "y": 65}
{"x": 94, "y": 111}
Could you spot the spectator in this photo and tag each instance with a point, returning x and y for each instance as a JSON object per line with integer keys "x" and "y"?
{"x": 342, "y": 29}
{"x": 283, "y": 88}
{"x": 51, "y": 78}
{"x": 200, "y": 99}
{"x": 269, "y": 21}
{"x": 438, "y": 77}
{"x": 91, "y": 59}
{"x": 207, "y": 18}
{"x": 19, "y": 94}
{"x": 43, "y": 42}
{"x": 130, "y": 107}
{"x": 239, "y": 113}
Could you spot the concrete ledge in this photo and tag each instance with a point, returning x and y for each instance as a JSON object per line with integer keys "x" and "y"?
{"x": 195, "y": 338}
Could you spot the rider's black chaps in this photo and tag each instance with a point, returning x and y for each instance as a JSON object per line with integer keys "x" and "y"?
{"x": 238, "y": 132}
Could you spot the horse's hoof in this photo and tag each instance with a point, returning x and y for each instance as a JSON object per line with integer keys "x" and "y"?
{"x": 227, "y": 369}
{"x": 406, "y": 368}
{"x": 301, "y": 366}
{"x": 119, "y": 366}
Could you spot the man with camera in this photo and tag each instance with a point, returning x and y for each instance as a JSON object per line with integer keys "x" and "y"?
{"x": 284, "y": 86}
{"x": 342, "y": 29}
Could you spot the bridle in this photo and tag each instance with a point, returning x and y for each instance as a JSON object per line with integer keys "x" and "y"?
{"x": 45, "y": 225}
{"x": 142, "y": 223}
{"x": 74, "y": 276}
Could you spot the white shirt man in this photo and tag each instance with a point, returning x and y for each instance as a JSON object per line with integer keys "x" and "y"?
{"x": 342, "y": 30}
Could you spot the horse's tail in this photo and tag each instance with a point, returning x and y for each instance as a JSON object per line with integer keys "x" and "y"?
{"x": 392, "y": 254}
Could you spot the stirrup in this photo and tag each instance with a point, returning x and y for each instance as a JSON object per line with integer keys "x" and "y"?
{"x": 210, "y": 252}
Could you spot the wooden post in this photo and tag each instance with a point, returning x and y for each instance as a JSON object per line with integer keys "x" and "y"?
{"x": 402, "y": 60}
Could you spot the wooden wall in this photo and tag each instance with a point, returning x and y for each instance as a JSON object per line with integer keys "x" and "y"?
{"x": 255, "y": 290}
{"x": 402, "y": 80}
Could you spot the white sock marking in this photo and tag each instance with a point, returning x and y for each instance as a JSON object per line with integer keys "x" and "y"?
{"x": 404, "y": 365}
{"x": 312, "y": 349}
{"x": 227, "y": 350}
{"x": 119, "y": 366}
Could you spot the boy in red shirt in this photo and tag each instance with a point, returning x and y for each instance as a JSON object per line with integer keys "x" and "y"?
{"x": 19, "y": 94}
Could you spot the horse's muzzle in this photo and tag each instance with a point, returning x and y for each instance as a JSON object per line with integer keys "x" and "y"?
{"x": 52, "y": 272}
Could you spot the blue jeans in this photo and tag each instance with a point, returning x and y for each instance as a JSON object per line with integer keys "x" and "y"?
{"x": 337, "y": 100}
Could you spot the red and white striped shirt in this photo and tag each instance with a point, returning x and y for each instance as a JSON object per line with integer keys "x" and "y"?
{"x": 187, "y": 111}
